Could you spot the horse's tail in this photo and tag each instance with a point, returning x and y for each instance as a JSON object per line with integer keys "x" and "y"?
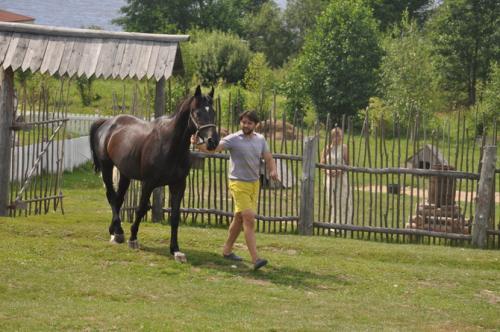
{"x": 93, "y": 130}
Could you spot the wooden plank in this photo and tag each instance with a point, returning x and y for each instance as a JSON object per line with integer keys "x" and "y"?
{"x": 485, "y": 192}
{"x": 306, "y": 213}
{"x": 48, "y": 55}
{"x": 9, "y": 56}
{"x": 54, "y": 50}
{"x": 57, "y": 57}
{"x": 20, "y": 52}
{"x": 39, "y": 52}
{"x": 170, "y": 62}
{"x": 178, "y": 65}
{"x": 80, "y": 66}
{"x": 76, "y": 56}
{"x": 90, "y": 57}
{"x": 118, "y": 59}
{"x": 92, "y": 64}
{"x": 161, "y": 63}
{"x": 142, "y": 67}
{"x": 5, "y": 39}
{"x": 106, "y": 58}
{"x": 6, "y": 118}
{"x": 136, "y": 59}
{"x": 66, "y": 57}
{"x": 127, "y": 59}
{"x": 152, "y": 61}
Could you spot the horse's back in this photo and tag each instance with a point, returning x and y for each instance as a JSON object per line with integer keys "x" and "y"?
{"x": 121, "y": 139}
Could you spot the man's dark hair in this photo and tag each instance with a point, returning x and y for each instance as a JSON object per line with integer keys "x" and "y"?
{"x": 251, "y": 115}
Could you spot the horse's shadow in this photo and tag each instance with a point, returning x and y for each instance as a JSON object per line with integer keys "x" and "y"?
{"x": 282, "y": 275}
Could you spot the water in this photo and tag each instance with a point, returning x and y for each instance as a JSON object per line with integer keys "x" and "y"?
{"x": 68, "y": 13}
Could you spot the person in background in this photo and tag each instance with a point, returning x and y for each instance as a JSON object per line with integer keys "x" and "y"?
{"x": 246, "y": 148}
{"x": 337, "y": 184}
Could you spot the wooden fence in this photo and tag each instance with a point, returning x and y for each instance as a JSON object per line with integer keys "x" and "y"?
{"x": 406, "y": 183}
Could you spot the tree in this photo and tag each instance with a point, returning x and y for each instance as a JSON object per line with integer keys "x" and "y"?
{"x": 266, "y": 32}
{"x": 389, "y": 12}
{"x": 259, "y": 81}
{"x": 216, "y": 55}
{"x": 294, "y": 87}
{"x": 489, "y": 107}
{"x": 466, "y": 35}
{"x": 407, "y": 74}
{"x": 340, "y": 59}
{"x": 300, "y": 17}
{"x": 174, "y": 16}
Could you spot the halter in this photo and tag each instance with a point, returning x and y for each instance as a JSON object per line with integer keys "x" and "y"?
{"x": 200, "y": 128}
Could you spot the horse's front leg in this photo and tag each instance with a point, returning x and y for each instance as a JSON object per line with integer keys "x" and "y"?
{"x": 146, "y": 191}
{"x": 176, "y": 195}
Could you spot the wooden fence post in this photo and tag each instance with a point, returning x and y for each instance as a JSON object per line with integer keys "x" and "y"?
{"x": 159, "y": 193}
{"x": 306, "y": 214}
{"x": 6, "y": 118}
{"x": 483, "y": 201}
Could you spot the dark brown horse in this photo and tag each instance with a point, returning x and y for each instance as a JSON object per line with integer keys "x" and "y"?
{"x": 155, "y": 153}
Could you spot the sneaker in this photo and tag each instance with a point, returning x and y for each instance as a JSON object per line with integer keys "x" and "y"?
{"x": 233, "y": 257}
{"x": 260, "y": 262}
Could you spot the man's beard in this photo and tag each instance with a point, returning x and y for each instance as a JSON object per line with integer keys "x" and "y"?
{"x": 247, "y": 131}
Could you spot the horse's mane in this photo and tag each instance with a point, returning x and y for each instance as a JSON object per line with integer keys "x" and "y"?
{"x": 180, "y": 106}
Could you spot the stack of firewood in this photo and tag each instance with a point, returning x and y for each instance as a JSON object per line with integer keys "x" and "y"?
{"x": 447, "y": 219}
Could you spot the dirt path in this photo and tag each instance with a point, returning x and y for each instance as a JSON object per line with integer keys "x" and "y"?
{"x": 460, "y": 196}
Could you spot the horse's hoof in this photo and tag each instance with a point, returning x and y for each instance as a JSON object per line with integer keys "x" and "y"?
{"x": 133, "y": 244}
{"x": 117, "y": 238}
{"x": 180, "y": 257}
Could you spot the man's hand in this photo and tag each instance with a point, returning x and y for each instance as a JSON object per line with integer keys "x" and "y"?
{"x": 273, "y": 175}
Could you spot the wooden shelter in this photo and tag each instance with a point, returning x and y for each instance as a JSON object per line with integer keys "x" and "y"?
{"x": 426, "y": 157}
{"x": 66, "y": 52}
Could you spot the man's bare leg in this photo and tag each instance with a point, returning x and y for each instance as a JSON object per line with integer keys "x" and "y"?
{"x": 248, "y": 228}
{"x": 234, "y": 232}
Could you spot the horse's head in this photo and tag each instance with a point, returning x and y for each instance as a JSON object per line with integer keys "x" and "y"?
{"x": 202, "y": 117}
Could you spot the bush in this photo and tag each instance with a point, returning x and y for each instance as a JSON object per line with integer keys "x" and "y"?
{"x": 212, "y": 56}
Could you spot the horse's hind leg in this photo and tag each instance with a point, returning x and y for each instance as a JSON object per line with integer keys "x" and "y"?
{"x": 115, "y": 229}
{"x": 146, "y": 191}
{"x": 123, "y": 185}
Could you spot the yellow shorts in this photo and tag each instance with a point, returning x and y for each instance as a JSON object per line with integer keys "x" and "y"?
{"x": 245, "y": 195}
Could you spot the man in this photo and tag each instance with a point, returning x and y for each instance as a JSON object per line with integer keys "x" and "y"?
{"x": 246, "y": 148}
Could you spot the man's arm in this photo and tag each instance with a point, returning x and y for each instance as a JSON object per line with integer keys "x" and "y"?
{"x": 271, "y": 165}
{"x": 203, "y": 148}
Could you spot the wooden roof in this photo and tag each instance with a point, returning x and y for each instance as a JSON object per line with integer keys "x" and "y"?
{"x": 83, "y": 52}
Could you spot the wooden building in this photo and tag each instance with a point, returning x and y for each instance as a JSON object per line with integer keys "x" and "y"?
{"x": 426, "y": 157}
{"x": 6, "y": 16}
{"x": 65, "y": 52}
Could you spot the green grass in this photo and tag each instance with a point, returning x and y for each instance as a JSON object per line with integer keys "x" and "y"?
{"x": 58, "y": 272}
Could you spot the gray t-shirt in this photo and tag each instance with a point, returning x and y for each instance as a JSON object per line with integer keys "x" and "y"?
{"x": 245, "y": 154}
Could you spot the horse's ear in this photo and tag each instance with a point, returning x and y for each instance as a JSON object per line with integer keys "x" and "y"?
{"x": 211, "y": 93}
{"x": 197, "y": 93}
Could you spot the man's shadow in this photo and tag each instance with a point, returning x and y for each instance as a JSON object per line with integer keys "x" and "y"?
{"x": 287, "y": 276}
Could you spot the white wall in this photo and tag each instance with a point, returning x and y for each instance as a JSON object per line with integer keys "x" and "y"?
{"x": 76, "y": 152}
